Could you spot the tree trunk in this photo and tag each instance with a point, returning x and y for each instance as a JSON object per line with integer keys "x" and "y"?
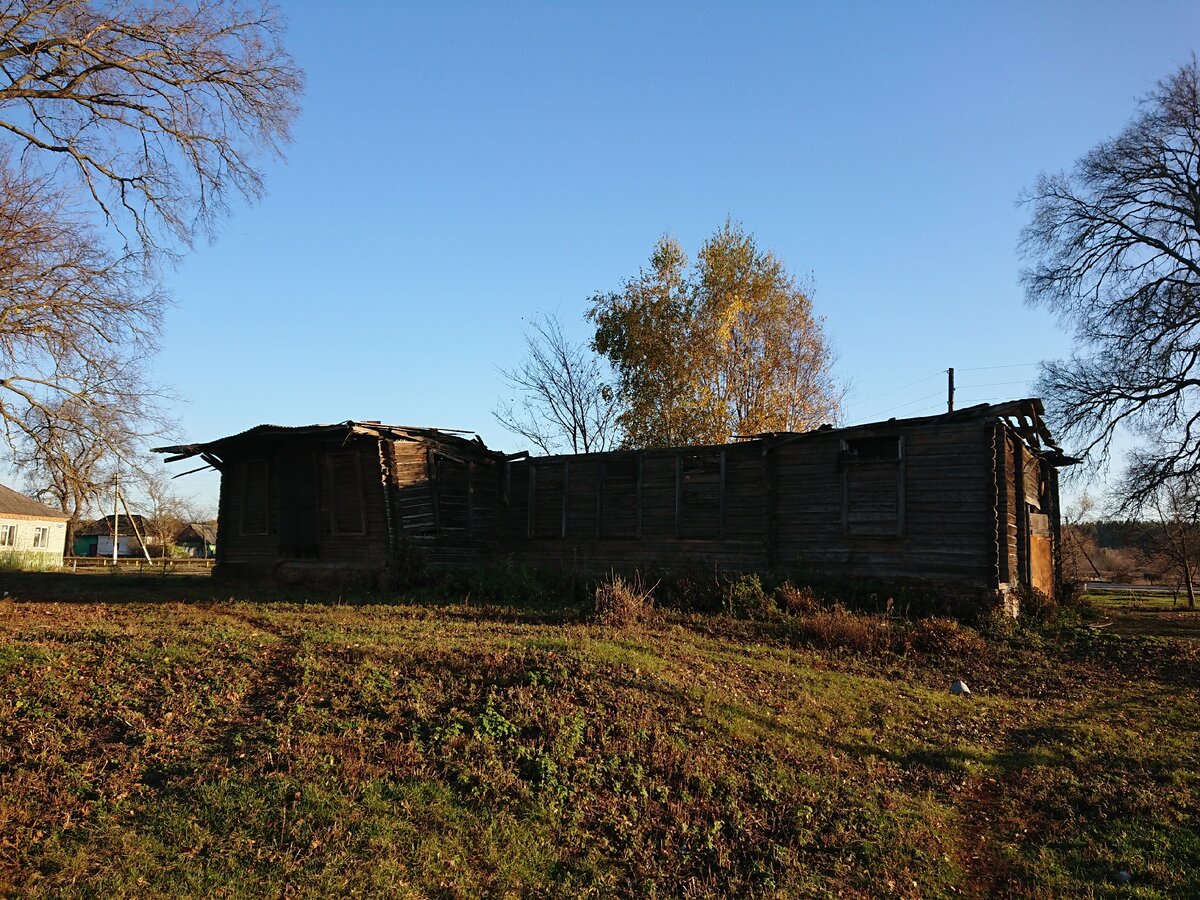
{"x": 1187, "y": 579}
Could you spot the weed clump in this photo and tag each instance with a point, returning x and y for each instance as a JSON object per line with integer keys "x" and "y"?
{"x": 798, "y": 601}
{"x": 746, "y": 599}
{"x": 839, "y": 629}
{"x": 939, "y": 636}
{"x": 622, "y": 602}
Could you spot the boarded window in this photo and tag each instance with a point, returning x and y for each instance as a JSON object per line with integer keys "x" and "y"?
{"x": 453, "y": 495}
{"x": 873, "y": 487}
{"x": 547, "y": 483}
{"x": 872, "y": 449}
{"x": 619, "y": 481}
{"x": 415, "y": 480}
{"x": 299, "y": 523}
{"x": 256, "y": 497}
{"x": 700, "y": 488}
{"x": 345, "y": 494}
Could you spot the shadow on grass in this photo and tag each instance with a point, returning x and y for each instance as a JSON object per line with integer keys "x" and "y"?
{"x": 122, "y": 589}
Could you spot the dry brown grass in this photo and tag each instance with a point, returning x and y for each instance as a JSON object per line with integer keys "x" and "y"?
{"x": 623, "y": 602}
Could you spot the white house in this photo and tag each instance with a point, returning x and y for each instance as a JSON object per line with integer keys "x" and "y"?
{"x": 32, "y": 535}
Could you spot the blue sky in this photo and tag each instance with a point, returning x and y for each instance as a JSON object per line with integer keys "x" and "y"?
{"x": 459, "y": 167}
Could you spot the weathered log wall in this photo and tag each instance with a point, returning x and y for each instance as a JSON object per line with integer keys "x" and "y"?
{"x": 878, "y": 502}
{"x": 945, "y": 499}
{"x": 303, "y": 501}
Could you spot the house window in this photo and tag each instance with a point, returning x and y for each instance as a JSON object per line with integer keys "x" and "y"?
{"x": 345, "y": 494}
{"x": 8, "y": 535}
{"x": 41, "y": 538}
{"x": 873, "y": 487}
{"x": 256, "y": 497}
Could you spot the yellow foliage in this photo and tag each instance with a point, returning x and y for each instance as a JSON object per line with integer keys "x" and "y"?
{"x": 730, "y": 346}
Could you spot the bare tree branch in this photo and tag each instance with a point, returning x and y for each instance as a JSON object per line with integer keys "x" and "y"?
{"x": 1115, "y": 251}
{"x": 125, "y": 130}
{"x": 157, "y": 109}
{"x": 563, "y": 401}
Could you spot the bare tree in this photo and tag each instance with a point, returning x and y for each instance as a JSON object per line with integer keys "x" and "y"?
{"x": 77, "y": 320}
{"x": 165, "y": 512}
{"x": 1079, "y": 548}
{"x": 125, "y": 129}
{"x": 69, "y": 458}
{"x": 563, "y": 401}
{"x": 1115, "y": 247}
{"x": 1176, "y": 544}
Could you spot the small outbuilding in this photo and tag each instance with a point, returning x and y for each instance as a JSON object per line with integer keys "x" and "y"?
{"x": 965, "y": 502}
{"x": 97, "y": 538}
{"x": 353, "y": 499}
{"x": 32, "y": 535}
{"x": 197, "y": 540}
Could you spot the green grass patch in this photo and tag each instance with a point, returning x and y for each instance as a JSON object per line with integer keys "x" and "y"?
{"x": 193, "y": 745}
{"x": 1146, "y": 613}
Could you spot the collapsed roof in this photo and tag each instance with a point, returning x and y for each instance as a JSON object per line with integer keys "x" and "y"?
{"x": 1023, "y": 416}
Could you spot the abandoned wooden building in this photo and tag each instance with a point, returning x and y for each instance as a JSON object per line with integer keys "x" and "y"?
{"x": 966, "y": 501}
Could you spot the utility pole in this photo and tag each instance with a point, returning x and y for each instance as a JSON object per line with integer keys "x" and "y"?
{"x": 950, "y": 390}
{"x": 116, "y": 515}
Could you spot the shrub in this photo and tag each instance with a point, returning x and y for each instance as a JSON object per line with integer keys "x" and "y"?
{"x": 746, "y": 599}
{"x": 516, "y": 585}
{"x": 940, "y": 636}
{"x": 905, "y": 598}
{"x": 1037, "y": 607}
{"x": 27, "y": 561}
{"x": 838, "y": 628}
{"x": 623, "y": 602}
{"x": 692, "y": 590}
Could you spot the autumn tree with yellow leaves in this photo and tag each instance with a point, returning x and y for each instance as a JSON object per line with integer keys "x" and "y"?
{"x": 729, "y": 346}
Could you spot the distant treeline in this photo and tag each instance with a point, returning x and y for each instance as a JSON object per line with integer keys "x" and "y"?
{"x": 1116, "y": 535}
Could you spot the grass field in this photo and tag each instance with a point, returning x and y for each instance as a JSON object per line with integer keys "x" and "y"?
{"x": 1147, "y": 613}
{"x": 156, "y": 740}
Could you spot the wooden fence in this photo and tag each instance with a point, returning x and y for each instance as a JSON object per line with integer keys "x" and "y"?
{"x": 128, "y": 565}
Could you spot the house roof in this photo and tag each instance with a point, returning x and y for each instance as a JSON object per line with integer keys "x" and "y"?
{"x": 14, "y": 504}
{"x": 197, "y": 531}
{"x": 211, "y": 452}
{"x": 105, "y": 526}
{"x": 1023, "y": 416}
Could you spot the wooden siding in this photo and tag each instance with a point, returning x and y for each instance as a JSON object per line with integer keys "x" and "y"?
{"x": 447, "y": 501}
{"x": 790, "y": 504}
{"x": 929, "y": 515}
{"x": 938, "y": 500}
{"x": 323, "y": 501}
{"x": 655, "y": 508}
{"x": 1027, "y": 514}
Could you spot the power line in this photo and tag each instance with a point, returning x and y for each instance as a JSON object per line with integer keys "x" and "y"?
{"x": 885, "y": 413}
{"x": 1009, "y": 366}
{"x": 968, "y": 387}
{"x": 937, "y": 374}
{"x": 892, "y": 409}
